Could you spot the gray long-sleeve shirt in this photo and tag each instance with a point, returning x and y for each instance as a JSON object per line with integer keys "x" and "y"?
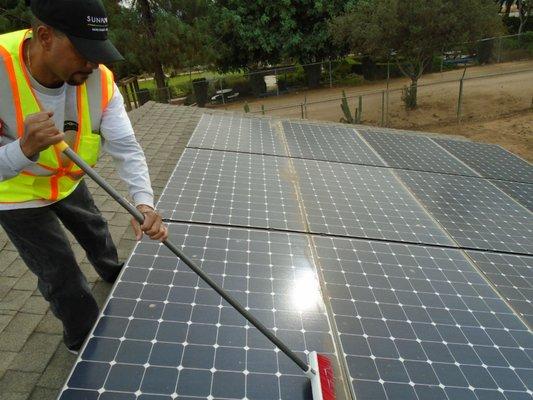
{"x": 118, "y": 140}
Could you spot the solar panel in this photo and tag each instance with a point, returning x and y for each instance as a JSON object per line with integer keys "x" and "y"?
{"x": 363, "y": 201}
{"x": 414, "y": 152}
{"x": 329, "y": 143}
{"x": 232, "y": 189}
{"x": 513, "y": 278}
{"x": 521, "y": 192}
{"x": 489, "y": 160}
{"x": 165, "y": 333}
{"x": 420, "y": 323}
{"x": 233, "y": 133}
{"x": 475, "y": 213}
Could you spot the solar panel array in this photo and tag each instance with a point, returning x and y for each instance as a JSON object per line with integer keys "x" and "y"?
{"x": 521, "y": 192}
{"x": 415, "y": 152}
{"x": 232, "y": 133}
{"x": 329, "y": 143}
{"x": 489, "y": 160}
{"x": 362, "y": 201}
{"x": 393, "y": 255}
{"x": 232, "y": 189}
{"x": 473, "y": 211}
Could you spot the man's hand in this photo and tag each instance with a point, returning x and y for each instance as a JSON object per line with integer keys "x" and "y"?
{"x": 40, "y": 133}
{"x": 153, "y": 225}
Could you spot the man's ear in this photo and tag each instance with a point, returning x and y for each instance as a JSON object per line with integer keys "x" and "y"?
{"x": 45, "y": 36}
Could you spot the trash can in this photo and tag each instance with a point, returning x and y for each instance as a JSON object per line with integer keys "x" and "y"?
{"x": 143, "y": 95}
{"x": 200, "y": 87}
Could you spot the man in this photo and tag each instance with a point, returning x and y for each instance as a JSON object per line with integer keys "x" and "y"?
{"x": 53, "y": 88}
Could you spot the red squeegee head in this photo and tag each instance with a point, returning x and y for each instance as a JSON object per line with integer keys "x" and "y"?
{"x": 321, "y": 376}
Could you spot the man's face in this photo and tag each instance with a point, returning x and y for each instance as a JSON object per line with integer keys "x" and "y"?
{"x": 64, "y": 61}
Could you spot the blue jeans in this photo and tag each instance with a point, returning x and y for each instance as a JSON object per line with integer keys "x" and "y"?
{"x": 44, "y": 247}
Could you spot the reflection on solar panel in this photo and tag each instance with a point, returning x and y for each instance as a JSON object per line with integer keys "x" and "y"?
{"x": 421, "y": 323}
{"x": 474, "y": 212}
{"x": 361, "y": 201}
{"x": 489, "y": 160}
{"x": 414, "y": 152}
{"x": 330, "y": 143}
{"x": 249, "y": 135}
{"x": 513, "y": 278}
{"x": 165, "y": 333}
{"x": 521, "y": 192}
{"x": 232, "y": 189}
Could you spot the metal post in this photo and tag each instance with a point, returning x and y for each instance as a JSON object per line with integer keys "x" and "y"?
{"x": 388, "y": 84}
{"x": 302, "y": 107}
{"x": 330, "y": 75}
{"x": 220, "y": 85}
{"x": 460, "y": 100}
{"x": 499, "y": 49}
{"x": 277, "y": 86}
{"x": 441, "y": 61}
{"x": 383, "y": 108}
{"x": 263, "y": 109}
{"x": 360, "y": 108}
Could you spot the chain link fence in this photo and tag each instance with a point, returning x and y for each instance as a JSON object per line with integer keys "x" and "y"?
{"x": 282, "y": 80}
{"x": 439, "y": 102}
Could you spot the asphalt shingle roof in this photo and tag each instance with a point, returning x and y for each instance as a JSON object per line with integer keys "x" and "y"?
{"x": 33, "y": 362}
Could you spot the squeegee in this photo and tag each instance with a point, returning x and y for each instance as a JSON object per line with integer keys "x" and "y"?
{"x": 318, "y": 369}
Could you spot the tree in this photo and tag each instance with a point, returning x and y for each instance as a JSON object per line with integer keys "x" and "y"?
{"x": 413, "y": 32}
{"x": 250, "y": 34}
{"x": 308, "y": 39}
{"x": 507, "y": 4}
{"x": 157, "y": 34}
{"x": 524, "y": 8}
{"x": 14, "y": 15}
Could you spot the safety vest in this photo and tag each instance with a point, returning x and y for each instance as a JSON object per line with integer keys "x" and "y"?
{"x": 49, "y": 179}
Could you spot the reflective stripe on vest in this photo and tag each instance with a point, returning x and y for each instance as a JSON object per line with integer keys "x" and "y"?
{"x": 49, "y": 179}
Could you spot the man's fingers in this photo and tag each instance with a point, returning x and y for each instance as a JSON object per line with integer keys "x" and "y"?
{"x": 149, "y": 219}
{"x": 38, "y": 126}
{"x": 136, "y": 229}
{"x": 162, "y": 235}
{"x": 40, "y": 116}
{"x": 155, "y": 228}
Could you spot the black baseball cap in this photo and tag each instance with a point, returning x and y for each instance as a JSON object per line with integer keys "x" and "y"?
{"x": 84, "y": 22}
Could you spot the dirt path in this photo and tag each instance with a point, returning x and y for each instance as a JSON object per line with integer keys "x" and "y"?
{"x": 494, "y": 110}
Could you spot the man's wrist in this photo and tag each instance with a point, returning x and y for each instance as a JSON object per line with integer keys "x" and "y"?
{"x": 28, "y": 153}
{"x": 144, "y": 208}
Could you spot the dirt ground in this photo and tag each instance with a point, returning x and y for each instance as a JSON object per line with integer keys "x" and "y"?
{"x": 494, "y": 110}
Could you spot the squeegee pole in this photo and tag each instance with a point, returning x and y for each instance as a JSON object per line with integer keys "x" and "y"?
{"x": 140, "y": 218}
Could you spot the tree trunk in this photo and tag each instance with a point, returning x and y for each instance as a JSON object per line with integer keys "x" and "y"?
{"x": 523, "y": 14}
{"x": 508, "y": 5}
{"x": 157, "y": 66}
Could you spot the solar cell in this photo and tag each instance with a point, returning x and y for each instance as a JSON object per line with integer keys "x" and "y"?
{"x": 420, "y": 323}
{"x": 363, "y": 201}
{"x": 513, "y": 278}
{"x": 414, "y": 152}
{"x": 165, "y": 333}
{"x": 521, "y": 192}
{"x": 229, "y": 132}
{"x": 232, "y": 189}
{"x": 475, "y": 213}
{"x": 329, "y": 143}
{"x": 489, "y": 160}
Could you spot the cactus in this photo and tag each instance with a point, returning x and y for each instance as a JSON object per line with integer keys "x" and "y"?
{"x": 348, "y": 118}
